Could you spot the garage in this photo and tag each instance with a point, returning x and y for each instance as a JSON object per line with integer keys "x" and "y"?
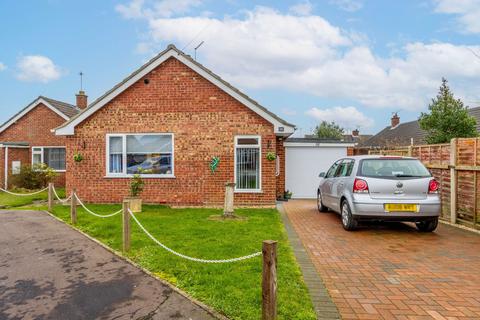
{"x": 305, "y": 158}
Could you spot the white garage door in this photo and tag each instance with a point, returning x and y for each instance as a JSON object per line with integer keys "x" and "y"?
{"x": 303, "y": 165}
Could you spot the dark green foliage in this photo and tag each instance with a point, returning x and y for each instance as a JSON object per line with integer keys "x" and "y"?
{"x": 329, "y": 130}
{"x": 447, "y": 118}
{"x": 33, "y": 177}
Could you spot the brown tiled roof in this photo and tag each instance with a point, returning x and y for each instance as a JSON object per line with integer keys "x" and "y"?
{"x": 67, "y": 109}
{"x": 179, "y": 52}
{"x": 403, "y": 134}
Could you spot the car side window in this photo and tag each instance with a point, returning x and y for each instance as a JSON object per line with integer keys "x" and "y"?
{"x": 345, "y": 168}
{"x": 348, "y": 167}
{"x": 333, "y": 169}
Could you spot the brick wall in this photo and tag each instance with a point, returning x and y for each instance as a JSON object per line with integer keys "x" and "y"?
{"x": 34, "y": 128}
{"x": 204, "y": 120}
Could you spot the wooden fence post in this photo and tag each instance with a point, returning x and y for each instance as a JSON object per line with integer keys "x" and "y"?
{"x": 50, "y": 196}
{"x": 269, "y": 280}
{"x": 126, "y": 226}
{"x": 410, "y": 151}
{"x": 73, "y": 207}
{"x": 453, "y": 180}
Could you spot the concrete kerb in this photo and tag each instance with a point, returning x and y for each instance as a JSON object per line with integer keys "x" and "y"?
{"x": 325, "y": 308}
{"x": 208, "y": 309}
{"x": 459, "y": 226}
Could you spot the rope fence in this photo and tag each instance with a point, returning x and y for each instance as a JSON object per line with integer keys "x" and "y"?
{"x": 269, "y": 248}
{"x": 253, "y": 255}
{"x": 23, "y": 194}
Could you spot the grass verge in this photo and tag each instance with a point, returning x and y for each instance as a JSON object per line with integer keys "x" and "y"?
{"x": 8, "y": 201}
{"x": 233, "y": 289}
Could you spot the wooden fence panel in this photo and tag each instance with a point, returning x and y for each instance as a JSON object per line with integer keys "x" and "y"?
{"x": 466, "y": 169}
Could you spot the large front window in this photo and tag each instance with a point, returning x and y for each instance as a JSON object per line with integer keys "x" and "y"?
{"x": 53, "y": 157}
{"x": 147, "y": 154}
{"x": 247, "y": 163}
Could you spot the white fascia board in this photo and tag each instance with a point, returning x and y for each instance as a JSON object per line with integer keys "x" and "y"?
{"x": 69, "y": 128}
{"x": 318, "y": 145}
{"x": 30, "y": 108}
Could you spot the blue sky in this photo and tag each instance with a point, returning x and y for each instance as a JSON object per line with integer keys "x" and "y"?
{"x": 351, "y": 61}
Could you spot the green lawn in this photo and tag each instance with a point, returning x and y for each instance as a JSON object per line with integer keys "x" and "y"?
{"x": 12, "y": 201}
{"x": 233, "y": 289}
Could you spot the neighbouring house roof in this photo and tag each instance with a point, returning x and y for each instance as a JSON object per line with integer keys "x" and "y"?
{"x": 281, "y": 126}
{"x": 63, "y": 109}
{"x": 406, "y": 133}
{"x": 346, "y": 138}
{"x": 14, "y": 144}
{"x": 317, "y": 142}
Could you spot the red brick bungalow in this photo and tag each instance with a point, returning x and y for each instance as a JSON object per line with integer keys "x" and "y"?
{"x": 171, "y": 117}
{"x": 27, "y": 138}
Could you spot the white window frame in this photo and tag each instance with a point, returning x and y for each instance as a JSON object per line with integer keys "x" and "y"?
{"x": 259, "y": 146}
{"x": 41, "y": 153}
{"x": 124, "y": 153}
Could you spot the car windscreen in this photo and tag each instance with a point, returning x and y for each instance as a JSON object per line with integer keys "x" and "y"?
{"x": 392, "y": 168}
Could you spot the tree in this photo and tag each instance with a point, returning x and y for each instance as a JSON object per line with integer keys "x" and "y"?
{"x": 329, "y": 130}
{"x": 447, "y": 118}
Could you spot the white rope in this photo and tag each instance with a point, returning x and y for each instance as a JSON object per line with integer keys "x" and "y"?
{"x": 187, "y": 257}
{"x": 59, "y": 199}
{"x": 96, "y": 214}
{"x": 23, "y": 194}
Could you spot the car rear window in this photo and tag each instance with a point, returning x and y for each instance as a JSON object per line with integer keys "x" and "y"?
{"x": 392, "y": 167}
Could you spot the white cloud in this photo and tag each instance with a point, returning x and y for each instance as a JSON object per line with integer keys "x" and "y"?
{"x": 467, "y": 12}
{"x": 308, "y": 54}
{"x": 347, "y": 117}
{"x": 154, "y": 9}
{"x": 348, "y": 5}
{"x": 37, "y": 68}
{"x": 2, "y": 66}
{"x": 302, "y": 9}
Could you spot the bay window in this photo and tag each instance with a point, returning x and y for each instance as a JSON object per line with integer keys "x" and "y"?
{"x": 53, "y": 157}
{"x": 247, "y": 163}
{"x": 147, "y": 154}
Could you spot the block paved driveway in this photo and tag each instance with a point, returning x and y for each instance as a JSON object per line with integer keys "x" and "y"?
{"x": 49, "y": 271}
{"x": 391, "y": 271}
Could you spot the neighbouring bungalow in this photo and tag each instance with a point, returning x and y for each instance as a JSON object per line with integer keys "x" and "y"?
{"x": 170, "y": 120}
{"x": 27, "y": 137}
{"x": 399, "y": 134}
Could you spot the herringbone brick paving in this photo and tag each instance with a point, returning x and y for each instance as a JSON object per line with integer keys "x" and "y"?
{"x": 391, "y": 271}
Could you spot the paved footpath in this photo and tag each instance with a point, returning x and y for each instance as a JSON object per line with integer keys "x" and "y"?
{"x": 391, "y": 271}
{"x": 49, "y": 271}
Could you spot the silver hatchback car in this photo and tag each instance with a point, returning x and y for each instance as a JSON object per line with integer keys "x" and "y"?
{"x": 382, "y": 188}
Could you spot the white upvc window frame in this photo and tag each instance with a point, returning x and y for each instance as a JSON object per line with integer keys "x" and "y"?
{"x": 42, "y": 155}
{"x": 124, "y": 156}
{"x": 259, "y": 146}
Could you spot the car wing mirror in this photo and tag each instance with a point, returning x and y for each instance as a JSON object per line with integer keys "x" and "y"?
{"x": 321, "y": 175}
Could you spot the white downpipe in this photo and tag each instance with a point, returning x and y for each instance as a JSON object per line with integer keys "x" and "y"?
{"x": 6, "y": 168}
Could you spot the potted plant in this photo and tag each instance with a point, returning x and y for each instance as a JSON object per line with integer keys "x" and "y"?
{"x": 271, "y": 156}
{"x": 288, "y": 194}
{"x": 78, "y": 157}
{"x": 136, "y": 187}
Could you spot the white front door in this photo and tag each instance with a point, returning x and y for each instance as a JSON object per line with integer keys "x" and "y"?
{"x": 304, "y": 164}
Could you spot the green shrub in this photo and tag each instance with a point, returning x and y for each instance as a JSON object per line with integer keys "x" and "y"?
{"x": 136, "y": 185}
{"x": 33, "y": 177}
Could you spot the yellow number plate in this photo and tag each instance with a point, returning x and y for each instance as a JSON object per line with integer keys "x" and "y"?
{"x": 389, "y": 207}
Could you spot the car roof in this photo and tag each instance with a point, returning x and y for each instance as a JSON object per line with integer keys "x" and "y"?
{"x": 376, "y": 156}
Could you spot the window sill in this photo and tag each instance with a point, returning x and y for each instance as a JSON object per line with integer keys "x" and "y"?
{"x": 143, "y": 176}
{"x": 248, "y": 191}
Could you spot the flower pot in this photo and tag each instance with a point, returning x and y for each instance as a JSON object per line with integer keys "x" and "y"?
{"x": 135, "y": 204}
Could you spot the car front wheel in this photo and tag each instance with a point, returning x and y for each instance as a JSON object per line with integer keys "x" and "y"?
{"x": 427, "y": 226}
{"x": 348, "y": 221}
{"x": 320, "y": 205}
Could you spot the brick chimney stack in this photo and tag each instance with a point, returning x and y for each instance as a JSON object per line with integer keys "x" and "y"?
{"x": 355, "y": 133}
{"x": 395, "y": 120}
{"x": 82, "y": 100}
